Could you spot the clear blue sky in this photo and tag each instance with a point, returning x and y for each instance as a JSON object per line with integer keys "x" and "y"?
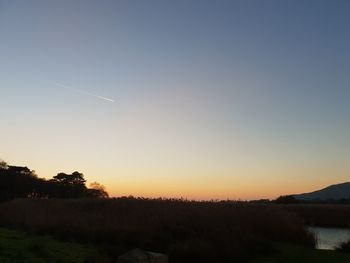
{"x": 212, "y": 99}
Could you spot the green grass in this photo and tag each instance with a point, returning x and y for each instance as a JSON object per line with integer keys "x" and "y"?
{"x": 18, "y": 247}
{"x": 287, "y": 253}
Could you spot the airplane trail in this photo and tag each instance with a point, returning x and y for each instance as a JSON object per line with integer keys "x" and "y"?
{"x": 84, "y": 92}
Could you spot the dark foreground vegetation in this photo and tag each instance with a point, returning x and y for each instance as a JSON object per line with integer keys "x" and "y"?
{"x": 186, "y": 231}
{"x": 290, "y": 253}
{"x": 326, "y": 215}
{"x": 20, "y": 247}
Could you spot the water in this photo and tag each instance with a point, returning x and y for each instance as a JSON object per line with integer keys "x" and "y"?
{"x": 330, "y": 238}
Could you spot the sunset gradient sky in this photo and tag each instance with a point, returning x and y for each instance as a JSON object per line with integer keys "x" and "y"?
{"x": 198, "y": 99}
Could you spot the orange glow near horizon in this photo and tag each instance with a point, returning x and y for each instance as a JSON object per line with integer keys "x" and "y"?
{"x": 200, "y": 184}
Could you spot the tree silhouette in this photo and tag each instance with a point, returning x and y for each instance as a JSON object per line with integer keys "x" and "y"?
{"x": 16, "y": 181}
{"x": 97, "y": 190}
{"x": 3, "y": 165}
{"x": 75, "y": 178}
{"x": 21, "y": 182}
{"x": 69, "y": 185}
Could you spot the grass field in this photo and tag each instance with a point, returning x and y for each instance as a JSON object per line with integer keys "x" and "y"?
{"x": 16, "y": 247}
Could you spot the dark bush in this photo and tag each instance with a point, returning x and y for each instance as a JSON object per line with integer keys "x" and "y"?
{"x": 344, "y": 247}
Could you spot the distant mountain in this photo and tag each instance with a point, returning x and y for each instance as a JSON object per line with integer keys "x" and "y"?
{"x": 333, "y": 192}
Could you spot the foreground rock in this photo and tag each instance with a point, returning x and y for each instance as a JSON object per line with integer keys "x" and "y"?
{"x": 141, "y": 256}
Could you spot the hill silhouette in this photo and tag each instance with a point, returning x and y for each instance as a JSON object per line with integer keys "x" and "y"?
{"x": 336, "y": 192}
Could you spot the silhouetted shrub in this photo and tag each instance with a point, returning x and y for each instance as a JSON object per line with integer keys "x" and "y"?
{"x": 286, "y": 199}
{"x": 344, "y": 247}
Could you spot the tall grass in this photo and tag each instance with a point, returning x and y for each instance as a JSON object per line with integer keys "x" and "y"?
{"x": 327, "y": 215}
{"x": 186, "y": 231}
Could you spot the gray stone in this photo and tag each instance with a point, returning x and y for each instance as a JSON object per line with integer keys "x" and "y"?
{"x": 141, "y": 256}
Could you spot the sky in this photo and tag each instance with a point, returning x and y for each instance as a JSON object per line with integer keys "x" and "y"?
{"x": 189, "y": 98}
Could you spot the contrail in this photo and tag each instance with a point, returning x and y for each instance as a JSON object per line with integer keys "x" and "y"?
{"x": 84, "y": 92}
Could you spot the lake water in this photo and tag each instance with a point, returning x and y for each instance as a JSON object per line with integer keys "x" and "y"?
{"x": 330, "y": 238}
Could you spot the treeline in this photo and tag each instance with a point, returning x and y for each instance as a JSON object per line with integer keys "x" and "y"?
{"x": 21, "y": 182}
{"x": 290, "y": 199}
